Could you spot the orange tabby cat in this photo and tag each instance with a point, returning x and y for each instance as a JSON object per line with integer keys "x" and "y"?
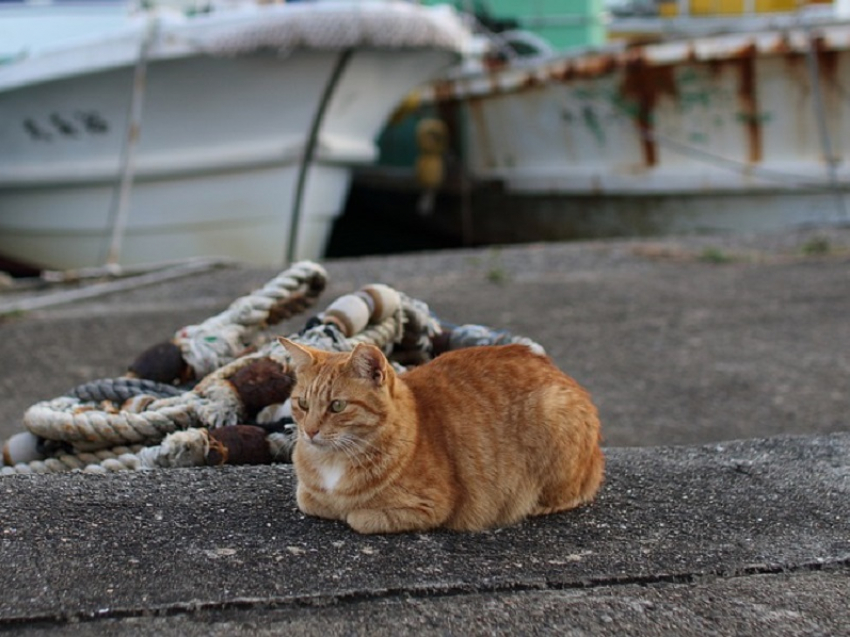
{"x": 476, "y": 438}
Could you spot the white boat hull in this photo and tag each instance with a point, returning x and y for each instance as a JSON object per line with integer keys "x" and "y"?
{"x": 735, "y": 133}
{"x": 241, "y": 152}
{"x": 235, "y": 214}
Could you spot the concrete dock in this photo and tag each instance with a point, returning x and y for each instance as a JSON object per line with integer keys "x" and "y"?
{"x": 721, "y": 369}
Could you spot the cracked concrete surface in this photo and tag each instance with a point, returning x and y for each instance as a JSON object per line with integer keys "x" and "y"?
{"x": 715, "y": 536}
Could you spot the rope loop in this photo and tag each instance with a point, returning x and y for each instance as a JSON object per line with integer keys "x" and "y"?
{"x": 222, "y": 338}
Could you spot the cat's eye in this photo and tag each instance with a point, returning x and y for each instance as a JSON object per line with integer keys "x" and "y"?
{"x": 337, "y": 406}
{"x": 302, "y": 402}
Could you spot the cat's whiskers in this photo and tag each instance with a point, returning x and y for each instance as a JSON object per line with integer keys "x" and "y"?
{"x": 367, "y": 448}
{"x": 349, "y": 447}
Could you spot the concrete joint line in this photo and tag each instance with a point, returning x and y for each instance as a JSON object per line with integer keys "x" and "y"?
{"x": 422, "y": 593}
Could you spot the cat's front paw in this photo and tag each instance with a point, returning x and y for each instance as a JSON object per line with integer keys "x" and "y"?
{"x": 312, "y": 506}
{"x": 369, "y": 521}
{"x": 392, "y": 520}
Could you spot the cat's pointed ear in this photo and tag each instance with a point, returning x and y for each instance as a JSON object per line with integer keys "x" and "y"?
{"x": 368, "y": 362}
{"x": 301, "y": 356}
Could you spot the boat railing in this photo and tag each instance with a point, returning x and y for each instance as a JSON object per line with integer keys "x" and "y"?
{"x": 689, "y": 18}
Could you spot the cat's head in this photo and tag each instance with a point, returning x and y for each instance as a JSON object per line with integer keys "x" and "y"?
{"x": 339, "y": 399}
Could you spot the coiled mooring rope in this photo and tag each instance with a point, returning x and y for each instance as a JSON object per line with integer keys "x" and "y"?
{"x": 238, "y": 412}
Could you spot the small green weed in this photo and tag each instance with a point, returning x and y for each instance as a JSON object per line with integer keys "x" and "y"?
{"x": 496, "y": 272}
{"x": 714, "y": 255}
{"x": 816, "y": 247}
{"x": 497, "y": 275}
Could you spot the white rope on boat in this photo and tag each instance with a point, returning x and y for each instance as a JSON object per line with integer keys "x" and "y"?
{"x": 396, "y": 25}
{"x": 120, "y": 209}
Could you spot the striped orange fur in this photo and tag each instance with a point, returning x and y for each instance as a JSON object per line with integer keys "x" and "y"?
{"x": 476, "y": 438}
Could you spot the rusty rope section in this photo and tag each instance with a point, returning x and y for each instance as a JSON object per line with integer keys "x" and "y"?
{"x": 133, "y": 424}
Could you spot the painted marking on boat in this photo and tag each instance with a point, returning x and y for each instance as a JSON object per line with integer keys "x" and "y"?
{"x": 55, "y": 124}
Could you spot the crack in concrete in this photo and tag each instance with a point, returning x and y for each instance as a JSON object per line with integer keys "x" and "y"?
{"x": 421, "y": 593}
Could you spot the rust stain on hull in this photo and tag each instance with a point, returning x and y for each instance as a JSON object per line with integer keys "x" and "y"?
{"x": 743, "y": 62}
{"x": 827, "y": 61}
{"x": 647, "y": 82}
{"x": 746, "y": 64}
{"x": 643, "y": 85}
{"x": 590, "y": 67}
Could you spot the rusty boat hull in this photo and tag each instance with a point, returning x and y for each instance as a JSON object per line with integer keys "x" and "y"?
{"x": 727, "y": 133}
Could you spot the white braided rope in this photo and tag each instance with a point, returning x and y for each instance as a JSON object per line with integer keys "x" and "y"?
{"x": 221, "y": 338}
{"x": 324, "y": 337}
{"x": 330, "y": 26}
{"x": 381, "y": 335}
{"x": 477, "y": 335}
{"x": 181, "y": 449}
{"x": 102, "y": 461}
{"x": 68, "y": 419}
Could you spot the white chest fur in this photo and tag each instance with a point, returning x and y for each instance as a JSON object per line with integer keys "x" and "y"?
{"x": 330, "y": 475}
